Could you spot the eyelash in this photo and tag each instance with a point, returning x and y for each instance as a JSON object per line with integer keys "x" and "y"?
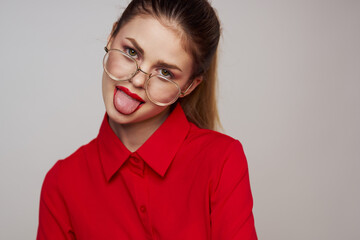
{"x": 171, "y": 75}
{"x": 127, "y": 49}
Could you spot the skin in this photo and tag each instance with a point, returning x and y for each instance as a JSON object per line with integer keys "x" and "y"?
{"x": 159, "y": 43}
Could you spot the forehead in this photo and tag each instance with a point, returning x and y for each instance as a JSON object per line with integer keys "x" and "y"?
{"x": 159, "y": 42}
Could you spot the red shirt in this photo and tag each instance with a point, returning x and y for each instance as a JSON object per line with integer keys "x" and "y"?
{"x": 182, "y": 183}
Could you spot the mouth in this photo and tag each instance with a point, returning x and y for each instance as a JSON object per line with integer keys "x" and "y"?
{"x": 125, "y": 101}
{"x": 130, "y": 94}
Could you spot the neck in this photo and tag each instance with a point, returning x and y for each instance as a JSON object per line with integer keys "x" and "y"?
{"x": 133, "y": 135}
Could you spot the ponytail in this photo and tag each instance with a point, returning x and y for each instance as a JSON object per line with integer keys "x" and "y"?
{"x": 200, "y": 106}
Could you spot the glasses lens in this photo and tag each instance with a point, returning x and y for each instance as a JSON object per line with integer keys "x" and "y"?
{"x": 118, "y": 65}
{"x": 162, "y": 91}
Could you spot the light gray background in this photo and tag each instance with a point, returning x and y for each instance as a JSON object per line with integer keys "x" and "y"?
{"x": 289, "y": 91}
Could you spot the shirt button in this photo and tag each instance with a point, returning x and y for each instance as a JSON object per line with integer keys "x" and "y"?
{"x": 136, "y": 160}
{"x": 143, "y": 208}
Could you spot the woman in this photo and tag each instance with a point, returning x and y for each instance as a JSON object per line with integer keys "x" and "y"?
{"x": 156, "y": 170}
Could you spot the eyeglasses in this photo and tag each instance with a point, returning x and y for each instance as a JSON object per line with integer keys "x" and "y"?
{"x": 161, "y": 90}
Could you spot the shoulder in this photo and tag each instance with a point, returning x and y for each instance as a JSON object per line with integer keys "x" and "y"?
{"x": 211, "y": 139}
{"x": 78, "y": 158}
{"x": 216, "y": 147}
{"x": 69, "y": 166}
{"x": 222, "y": 153}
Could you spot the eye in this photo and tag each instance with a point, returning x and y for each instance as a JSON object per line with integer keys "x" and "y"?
{"x": 166, "y": 73}
{"x": 131, "y": 52}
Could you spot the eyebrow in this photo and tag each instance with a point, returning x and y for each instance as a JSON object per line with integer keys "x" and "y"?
{"x": 164, "y": 64}
{"x": 137, "y": 46}
{"x": 159, "y": 63}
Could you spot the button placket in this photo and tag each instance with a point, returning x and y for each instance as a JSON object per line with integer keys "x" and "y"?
{"x": 143, "y": 208}
{"x": 143, "y": 201}
{"x": 137, "y": 165}
{"x": 139, "y": 188}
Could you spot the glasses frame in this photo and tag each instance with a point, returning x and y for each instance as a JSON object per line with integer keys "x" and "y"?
{"x": 138, "y": 69}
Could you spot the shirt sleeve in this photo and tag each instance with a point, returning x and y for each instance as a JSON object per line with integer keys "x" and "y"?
{"x": 231, "y": 199}
{"x": 54, "y": 221}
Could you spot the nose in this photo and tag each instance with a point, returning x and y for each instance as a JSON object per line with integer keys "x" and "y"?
{"x": 140, "y": 78}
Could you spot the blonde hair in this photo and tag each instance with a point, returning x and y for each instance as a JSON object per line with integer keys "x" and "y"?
{"x": 200, "y": 106}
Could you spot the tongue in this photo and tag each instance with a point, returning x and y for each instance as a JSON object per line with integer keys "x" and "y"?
{"x": 124, "y": 103}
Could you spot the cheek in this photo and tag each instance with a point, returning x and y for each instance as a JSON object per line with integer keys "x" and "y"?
{"x": 106, "y": 87}
{"x": 107, "y": 83}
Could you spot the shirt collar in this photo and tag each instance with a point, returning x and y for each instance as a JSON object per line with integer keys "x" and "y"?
{"x": 158, "y": 151}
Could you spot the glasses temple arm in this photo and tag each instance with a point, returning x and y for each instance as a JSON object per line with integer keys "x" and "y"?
{"x": 187, "y": 89}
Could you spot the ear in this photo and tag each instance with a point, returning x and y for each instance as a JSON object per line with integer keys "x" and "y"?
{"x": 196, "y": 81}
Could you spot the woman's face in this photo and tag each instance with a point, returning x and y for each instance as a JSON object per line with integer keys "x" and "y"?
{"x": 159, "y": 50}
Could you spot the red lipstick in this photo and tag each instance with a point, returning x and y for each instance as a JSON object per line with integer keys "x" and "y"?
{"x": 129, "y": 93}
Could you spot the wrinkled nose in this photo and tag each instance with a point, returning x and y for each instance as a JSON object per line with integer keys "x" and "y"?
{"x": 139, "y": 79}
